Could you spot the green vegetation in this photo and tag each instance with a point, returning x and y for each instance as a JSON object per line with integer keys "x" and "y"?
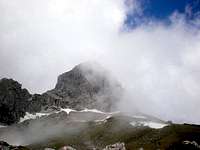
{"x": 116, "y": 129}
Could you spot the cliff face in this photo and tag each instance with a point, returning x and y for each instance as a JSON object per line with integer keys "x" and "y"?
{"x": 13, "y": 101}
{"x": 87, "y": 85}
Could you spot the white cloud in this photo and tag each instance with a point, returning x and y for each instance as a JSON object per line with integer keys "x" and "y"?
{"x": 158, "y": 64}
{"x": 40, "y": 39}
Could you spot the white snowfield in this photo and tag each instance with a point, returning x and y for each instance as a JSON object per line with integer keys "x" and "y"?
{"x": 92, "y": 110}
{"x": 67, "y": 110}
{"x": 154, "y": 125}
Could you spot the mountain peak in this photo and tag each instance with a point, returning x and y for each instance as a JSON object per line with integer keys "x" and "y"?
{"x": 86, "y": 84}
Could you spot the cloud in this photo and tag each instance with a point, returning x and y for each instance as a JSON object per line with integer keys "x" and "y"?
{"x": 40, "y": 39}
{"x": 158, "y": 64}
{"x": 162, "y": 74}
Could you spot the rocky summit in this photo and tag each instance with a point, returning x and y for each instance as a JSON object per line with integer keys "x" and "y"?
{"x": 87, "y": 85}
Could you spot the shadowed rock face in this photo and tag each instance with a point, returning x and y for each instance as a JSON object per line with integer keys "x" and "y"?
{"x": 87, "y": 85}
{"x": 13, "y": 101}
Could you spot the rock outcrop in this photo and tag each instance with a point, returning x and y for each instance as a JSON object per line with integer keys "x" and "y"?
{"x": 67, "y": 148}
{"x": 13, "y": 101}
{"x": 116, "y": 146}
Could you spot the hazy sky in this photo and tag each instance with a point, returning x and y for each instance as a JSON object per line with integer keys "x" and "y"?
{"x": 156, "y": 57}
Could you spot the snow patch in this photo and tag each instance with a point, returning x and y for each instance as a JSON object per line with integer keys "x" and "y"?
{"x": 92, "y": 110}
{"x": 98, "y": 111}
{"x": 1, "y": 126}
{"x": 67, "y": 110}
{"x": 154, "y": 125}
{"x": 38, "y": 115}
{"x": 33, "y": 116}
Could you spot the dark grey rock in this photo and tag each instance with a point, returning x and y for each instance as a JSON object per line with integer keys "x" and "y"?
{"x": 35, "y": 103}
{"x": 13, "y": 101}
{"x": 4, "y": 145}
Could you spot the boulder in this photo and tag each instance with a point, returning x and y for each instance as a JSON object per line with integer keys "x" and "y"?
{"x": 116, "y": 146}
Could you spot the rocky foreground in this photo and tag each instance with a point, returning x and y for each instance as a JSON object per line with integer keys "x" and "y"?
{"x": 90, "y": 130}
{"x": 6, "y": 146}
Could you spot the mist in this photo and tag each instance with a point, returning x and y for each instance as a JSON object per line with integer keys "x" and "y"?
{"x": 157, "y": 64}
{"x": 41, "y": 130}
{"x": 58, "y": 126}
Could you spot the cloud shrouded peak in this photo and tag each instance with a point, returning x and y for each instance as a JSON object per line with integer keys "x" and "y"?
{"x": 41, "y": 36}
{"x": 157, "y": 63}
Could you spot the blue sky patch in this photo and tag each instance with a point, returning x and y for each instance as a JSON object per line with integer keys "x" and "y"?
{"x": 161, "y": 10}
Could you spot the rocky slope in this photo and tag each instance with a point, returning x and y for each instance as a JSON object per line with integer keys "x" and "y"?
{"x": 89, "y": 130}
{"x": 6, "y": 146}
{"x": 87, "y": 85}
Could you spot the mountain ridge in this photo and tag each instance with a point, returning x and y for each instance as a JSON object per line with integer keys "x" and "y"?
{"x": 87, "y": 85}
